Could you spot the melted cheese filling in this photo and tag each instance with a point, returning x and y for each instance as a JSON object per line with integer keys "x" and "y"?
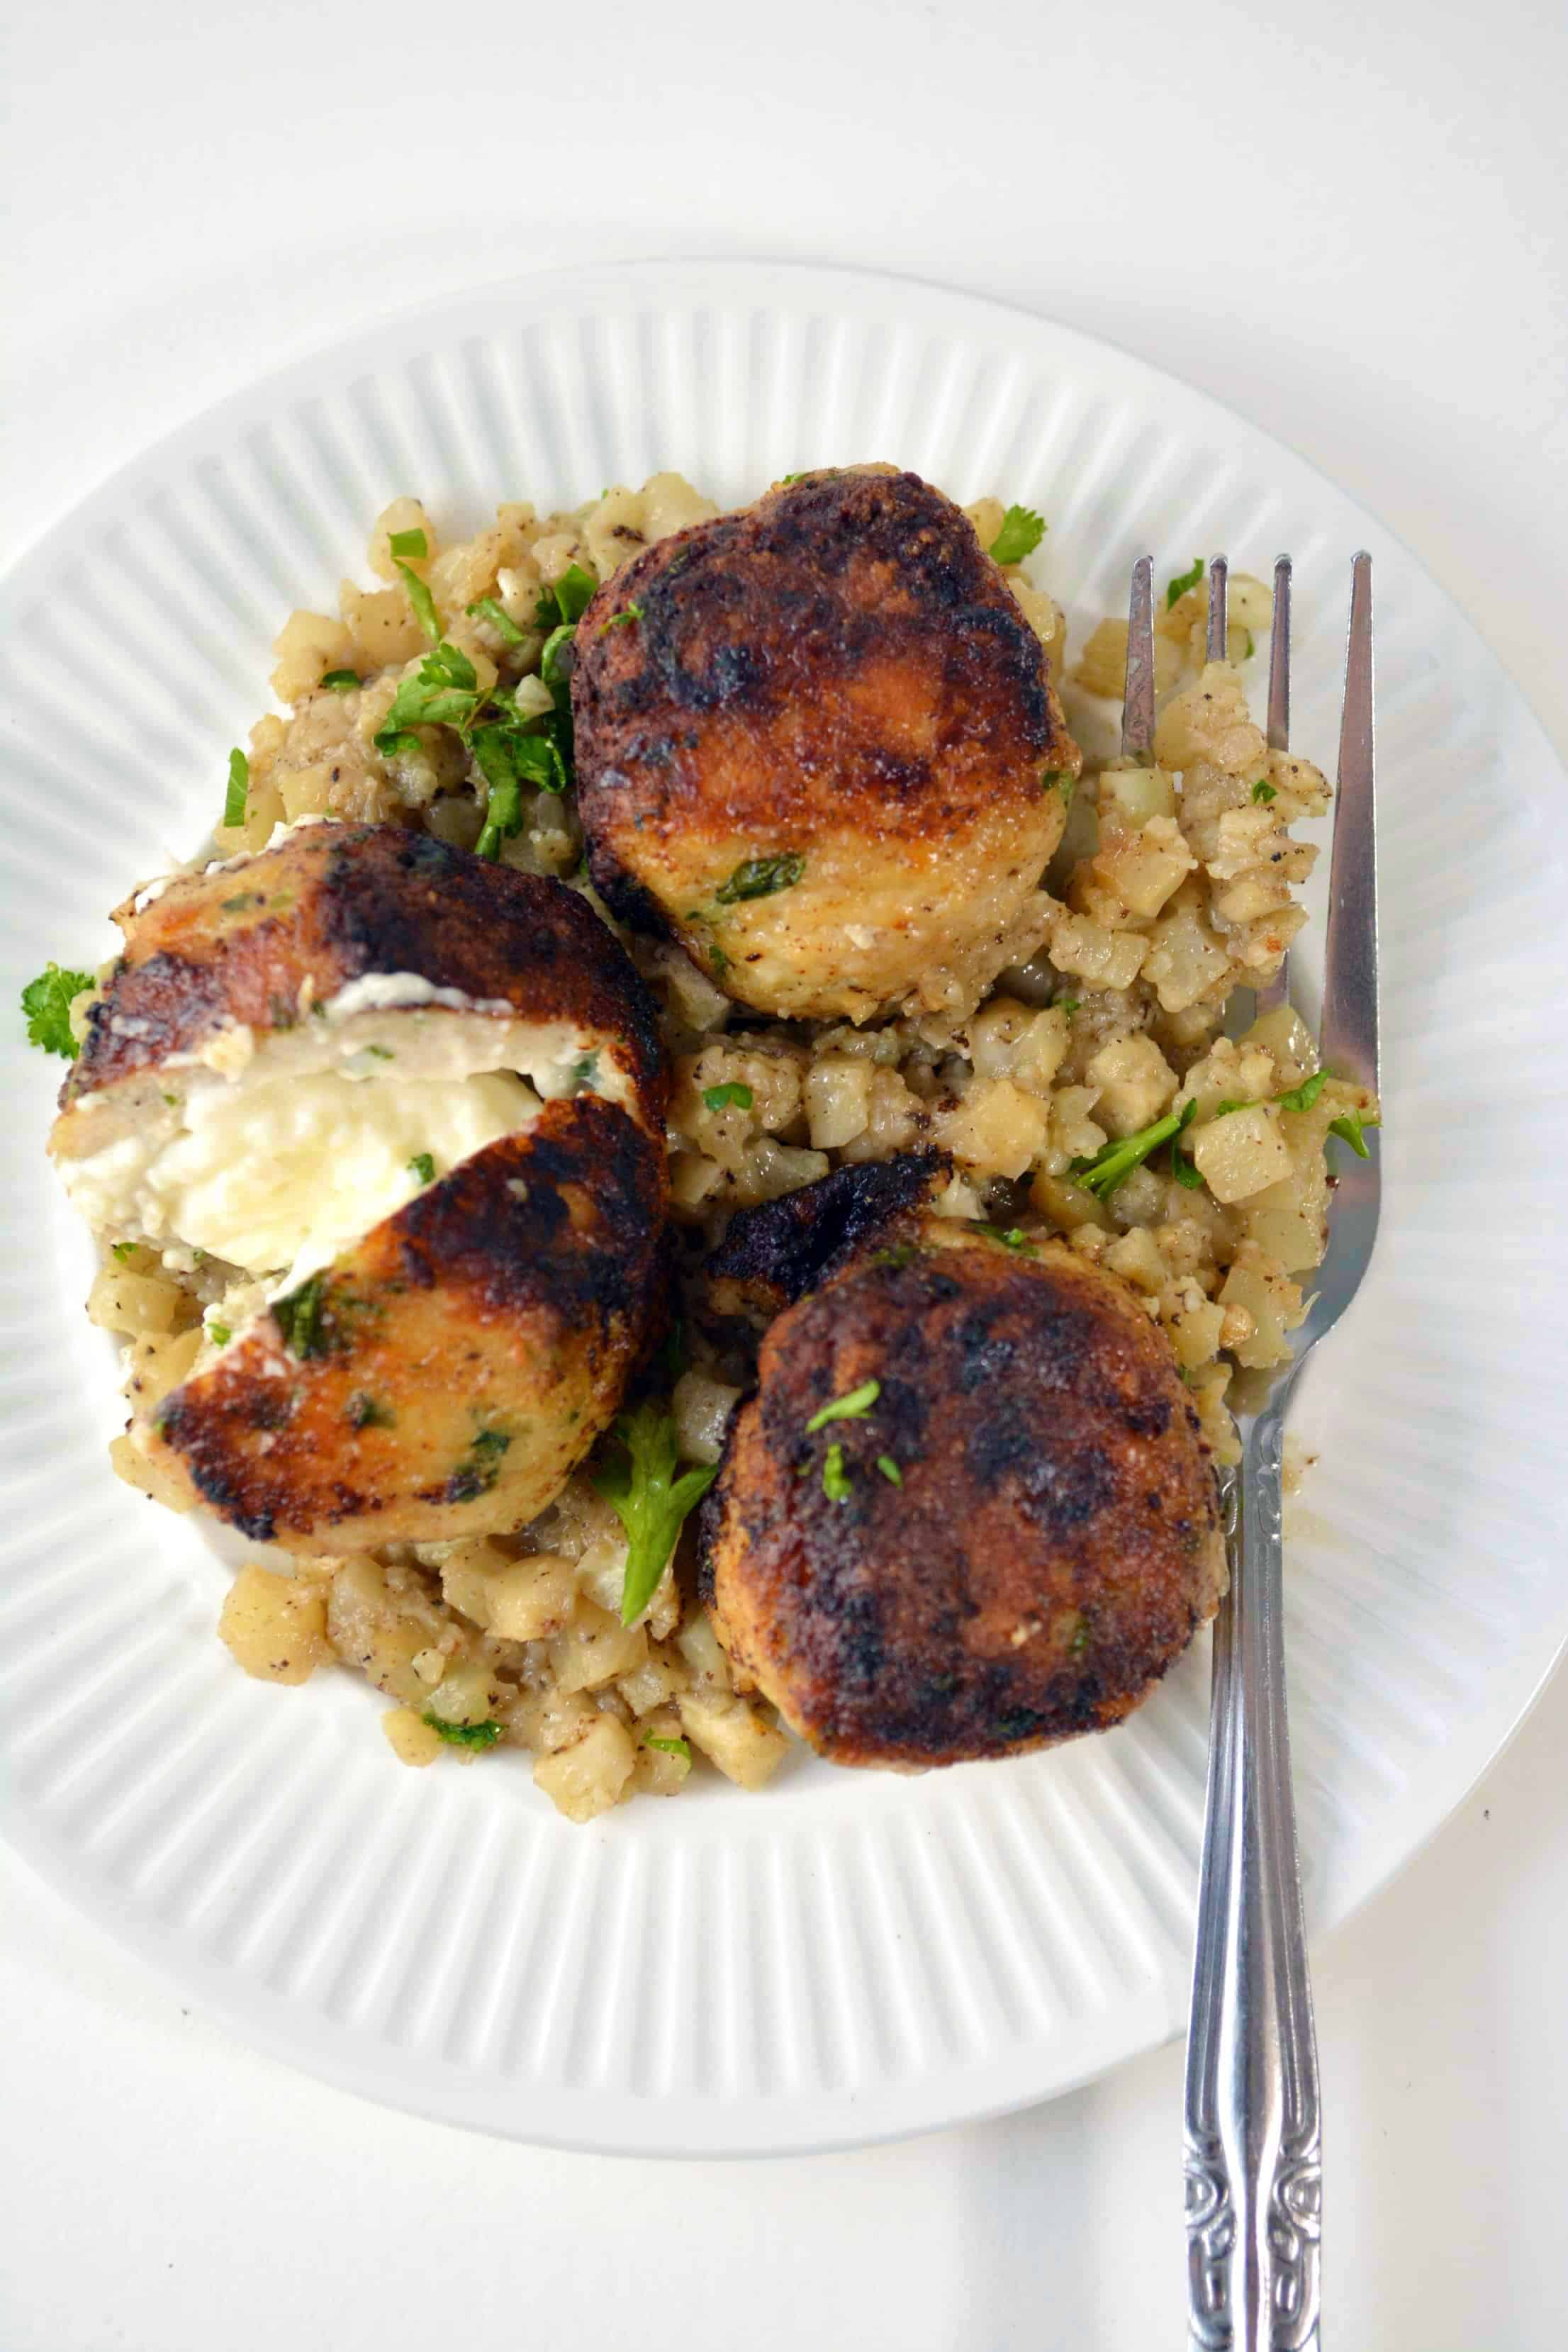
{"x": 286, "y": 1174}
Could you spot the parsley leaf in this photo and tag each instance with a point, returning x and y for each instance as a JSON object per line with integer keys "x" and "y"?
{"x": 424, "y": 604}
{"x": 571, "y": 595}
{"x": 463, "y": 1735}
{"x": 423, "y": 1165}
{"x": 443, "y": 692}
{"x": 485, "y": 608}
{"x": 681, "y": 1748}
{"x": 1021, "y": 532}
{"x": 1176, "y": 588}
{"x": 1013, "y": 1238}
{"x": 1264, "y": 791}
{"x": 1303, "y": 1097}
{"x": 889, "y": 1469}
{"x": 47, "y": 1002}
{"x": 731, "y": 1091}
{"x": 303, "y": 1320}
{"x": 123, "y": 1250}
{"x": 1350, "y": 1127}
{"x": 855, "y": 1406}
{"x": 834, "y": 1477}
{"x": 1068, "y": 1004}
{"x": 1185, "y": 1169}
{"x": 408, "y": 543}
{"x": 648, "y": 1499}
{"x": 238, "y": 789}
{"x": 759, "y": 877}
{"x": 342, "y": 681}
{"x": 619, "y": 620}
{"x": 1115, "y": 1162}
{"x": 1249, "y": 649}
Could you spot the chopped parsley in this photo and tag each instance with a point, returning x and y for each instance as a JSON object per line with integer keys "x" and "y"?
{"x": 220, "y": 1334}
{"x": 681, "y": 1748}
{"x": 412, "y": 543}
{"x": 303, "y": 1320}
{"x": 583, "y": 1073}
{"x": 649, "y": 1501}
{"x": 787, "y": 478}
{"x": 731, "y": 1092}
{"x": 47, "y": 1002}
{"x": 1176, "y": 588}
{"x": 423, "y": 602}
{"x": 123, "y": 1250}
{"x": 479, "y": 1468}
{"x": 854, "y": 1406}
{"x": 759, "y": 877}
{"x": 1068, "y": 1004}
{"x": 1350, "y": 1127}
{"x": 1013, "y": 1238}
{"x": 364, "y": 1412}
{"x": 1249, "y": 649}
{"x": 834, "y": 1477}
{"x": 1021, "y": 532}
{"x": 239, "y": 791}
{"x": 423, "y": 1165}
{"x": 1263, "y": 791}
{"x": 902, "y": 1253}
{"x": 342, "y": 681}
{"x": 889, "y": 1469}
{"x": 1303, "y": 1097}
{"x": 443, "y": 692}
{"x": 571, "y": 596}
{"x": 627, "y": 613}
{"x": 485, "y": 608}
{"x": 463, "y": 1735}
{"x": 1115, "y": 1162}
{"x": 1185, "y": 1169}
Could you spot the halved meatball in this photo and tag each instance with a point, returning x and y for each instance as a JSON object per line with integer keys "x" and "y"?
{"x": 1004, "y": 1544}
{"x": 817, "y": 742}
{"x": 413, "y": 1104}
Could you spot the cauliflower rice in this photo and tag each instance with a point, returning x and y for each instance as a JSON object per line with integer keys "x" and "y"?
{"x": 1173, "y": 885}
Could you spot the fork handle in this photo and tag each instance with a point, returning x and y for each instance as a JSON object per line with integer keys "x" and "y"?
{"x": 1254, "y": 2175}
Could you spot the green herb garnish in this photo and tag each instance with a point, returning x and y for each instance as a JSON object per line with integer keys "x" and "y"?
{"x": 648, "y": 1499}
{"x": 443, "y": 692}
{"x": 1350, "y": 1127}
{"x": 889, "y": 1469}
{"x": 629, "y": 613}
{"x": 423, "y": 602}
{"x": 47, "y": 1002}
{"x": 342, "y": 681}
{"x": 759, "y": 877}
{"x": 1185, "y": 1169}
{"x": 220, "y": 1334}
{"x": 239, "y": 791}
{"x": 681, "y": 1748}
{"x": 1176, "y": 588}
{"x": 423, "y": 1165}
{"x": 485, "y": 608}
{"x": 1013, "y": 1238}
{"x": 1250, "y": 647}
{"x": 834, "y": 1477}
{"x": 1303, "y": 1097}
{"x": 303, "y": 1320}
{"x": 464, "y": 1735}
{"x": 123, "y": 1250}
{"x": 902, "y": 1253}
{"x": 366, "y": 1413}
{"x": 1115, "y": 1162}
{"x": 855, "y": 1406}
{"x": 731, "y": 1092}
{"x": 1264, "y": 791}
{"x": 409, "y": 543}
{"x": 1021, "y": 532}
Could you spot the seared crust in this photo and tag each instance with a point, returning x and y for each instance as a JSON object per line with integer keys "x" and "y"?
{"x": 838, "y": 672}
{"x": 466, "y": 1355}
{"x": 1053, "y": 1545}
{"x": 775, "y": 1252}
{"x": 256, "y": 942}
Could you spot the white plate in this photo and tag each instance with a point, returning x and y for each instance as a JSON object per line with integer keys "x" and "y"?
{"x": 848, "y": 1955}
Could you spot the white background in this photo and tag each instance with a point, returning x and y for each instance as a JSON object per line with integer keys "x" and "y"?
{"x": 1351, "y": 223}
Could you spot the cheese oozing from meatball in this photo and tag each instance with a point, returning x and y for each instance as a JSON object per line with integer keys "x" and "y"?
{"x": 284, "y": 1173}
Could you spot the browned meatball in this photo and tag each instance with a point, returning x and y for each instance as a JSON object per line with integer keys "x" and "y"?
{"x": 1007, "y": 1547}
{"x": 816, "y": 741}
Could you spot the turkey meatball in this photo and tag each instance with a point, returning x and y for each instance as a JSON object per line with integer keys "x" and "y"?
{"x": 817, "y": 743}
{"x": 968, "y": 1510}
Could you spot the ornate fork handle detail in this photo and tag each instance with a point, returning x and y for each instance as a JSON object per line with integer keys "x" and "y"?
{"x": 1252, "y": 2160}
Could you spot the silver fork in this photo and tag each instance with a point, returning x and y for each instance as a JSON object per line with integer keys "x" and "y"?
{"x": 1254, "y": 2172}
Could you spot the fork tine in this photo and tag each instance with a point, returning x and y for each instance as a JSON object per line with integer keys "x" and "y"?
{"x": 1350, "y": 973}
{"x": 1138, "y": 704}
{"x": 1277, "y": 992}
{"x": 1219, "y": 575}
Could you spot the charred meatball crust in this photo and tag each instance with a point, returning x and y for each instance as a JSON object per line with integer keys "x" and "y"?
{"x": 1053, "y": 1544}
{"x": 838, "y": 675}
